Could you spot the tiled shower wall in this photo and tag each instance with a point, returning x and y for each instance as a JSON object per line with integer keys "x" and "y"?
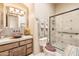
{"x": 66, "y": 29}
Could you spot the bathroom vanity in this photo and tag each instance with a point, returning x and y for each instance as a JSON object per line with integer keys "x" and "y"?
{"x": 16, "y": 46}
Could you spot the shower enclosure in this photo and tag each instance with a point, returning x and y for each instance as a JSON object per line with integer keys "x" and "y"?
{"x": 64, "y": 29}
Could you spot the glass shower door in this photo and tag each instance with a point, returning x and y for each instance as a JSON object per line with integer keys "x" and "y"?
{"x": 52, "y": 30}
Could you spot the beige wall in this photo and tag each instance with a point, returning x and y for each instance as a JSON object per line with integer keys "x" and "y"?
{"x": 1, "y": 7}
{"x": 44, "y": 10}
{"x": 33, "y": 27}
{"x": 62, "y": 7}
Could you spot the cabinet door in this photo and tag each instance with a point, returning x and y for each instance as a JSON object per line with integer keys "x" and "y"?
{"x": 20, "y": 51}
{"x": 29, "y": 51}
{"x": 8, "y": 46}
{"x": 5, "y": 53}
{"x": 29, "y": 45}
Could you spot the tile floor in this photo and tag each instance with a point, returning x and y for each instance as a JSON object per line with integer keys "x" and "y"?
{"x": 43, "y": 54}
{"x": 39, "y": 54}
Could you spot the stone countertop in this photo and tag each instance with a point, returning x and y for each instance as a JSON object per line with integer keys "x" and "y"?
{"x": 11, "y": 40}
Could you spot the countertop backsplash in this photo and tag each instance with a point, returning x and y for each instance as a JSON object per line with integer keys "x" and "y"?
{"x": 6, "y": 32}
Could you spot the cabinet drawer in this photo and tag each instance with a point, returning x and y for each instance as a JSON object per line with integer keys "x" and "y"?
{"x": 20, "y": 51}
{"x": 6, "y": 53}
{"x": 23, "y": 42}
{"x": 29, "y": 50}
{"x": 8, "y": 46}
{"x": 29, "y": 45}
{"x": 29, "y": 41}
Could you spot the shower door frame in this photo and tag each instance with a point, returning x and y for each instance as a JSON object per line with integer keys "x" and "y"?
{"x": 51, "y": 29}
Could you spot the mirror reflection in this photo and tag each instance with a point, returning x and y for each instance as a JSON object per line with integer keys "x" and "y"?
{"x": 15, "y": 18}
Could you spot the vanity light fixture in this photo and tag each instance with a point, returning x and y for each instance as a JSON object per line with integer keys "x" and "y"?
{"x": 11, "y": 10}
{"x": 21, "y": 12}
{"x": 16, "y": 11}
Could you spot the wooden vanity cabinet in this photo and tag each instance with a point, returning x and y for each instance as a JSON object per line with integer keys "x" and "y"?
{"x": 29, "y": 41}
{"x": 5, "y": 53}
{"x": 20, "y": 48}
{"x": 8, "y": 46}
{"x": 29, "y": 51}
{"x": 25, "y": 42}
{"x": 20, "y": 51}
{"x": 29, "y": 45}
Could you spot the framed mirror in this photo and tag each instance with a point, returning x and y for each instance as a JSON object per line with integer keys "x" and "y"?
{"x": 15, "y": 18}
{"x": 12, "y": 21}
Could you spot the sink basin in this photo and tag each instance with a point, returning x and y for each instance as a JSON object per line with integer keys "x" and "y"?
{"x": 16, "y": 36}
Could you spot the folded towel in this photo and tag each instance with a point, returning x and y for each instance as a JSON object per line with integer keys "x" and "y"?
{"x": 50, "y": 47}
